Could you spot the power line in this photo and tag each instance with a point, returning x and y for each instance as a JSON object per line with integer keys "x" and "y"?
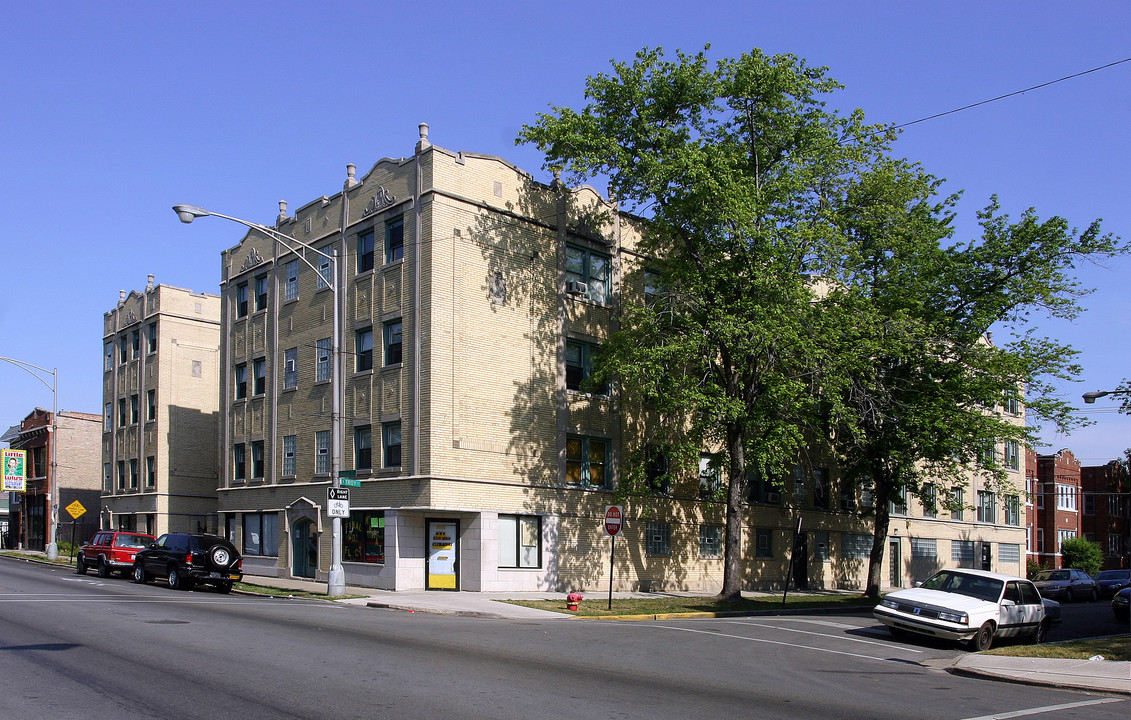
{"x": 1016, "y": 92}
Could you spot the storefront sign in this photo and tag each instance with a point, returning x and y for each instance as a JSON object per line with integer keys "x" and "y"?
{"x": 15, "y": 470}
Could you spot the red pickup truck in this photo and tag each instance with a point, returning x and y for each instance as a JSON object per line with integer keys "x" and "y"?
{"x": 111, "y": 550}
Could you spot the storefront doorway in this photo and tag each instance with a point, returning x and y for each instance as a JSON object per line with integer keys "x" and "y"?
{"x": 443, "y": 555}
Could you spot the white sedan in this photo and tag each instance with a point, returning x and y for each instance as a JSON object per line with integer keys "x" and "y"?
{"x": 967, "y": 606}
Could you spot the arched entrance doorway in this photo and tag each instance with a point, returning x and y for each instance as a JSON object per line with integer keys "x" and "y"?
{"x": 304, "y": 548}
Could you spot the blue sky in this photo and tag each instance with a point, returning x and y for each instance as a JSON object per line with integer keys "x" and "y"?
{"x": 115, "y": 111}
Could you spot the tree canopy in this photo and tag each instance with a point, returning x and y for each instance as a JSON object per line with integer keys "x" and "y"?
{"x": 812, "y": 299}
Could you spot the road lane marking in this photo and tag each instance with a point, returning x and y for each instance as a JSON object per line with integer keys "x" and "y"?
{"x": 775, "y": 642}
{"x": 1046, "y": 709}
{"x": 839, "y": 637}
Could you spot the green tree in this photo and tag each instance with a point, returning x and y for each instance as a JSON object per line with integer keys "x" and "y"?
{"x": 740, "y": 170}
{"x": 1082, "y": 554}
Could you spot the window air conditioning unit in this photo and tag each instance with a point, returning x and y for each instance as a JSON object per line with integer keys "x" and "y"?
{"x": 773, "y": 498}
{"x": 576, "y": 288}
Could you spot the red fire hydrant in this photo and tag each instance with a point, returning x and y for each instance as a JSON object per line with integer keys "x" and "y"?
{"x": 573, "y": 599}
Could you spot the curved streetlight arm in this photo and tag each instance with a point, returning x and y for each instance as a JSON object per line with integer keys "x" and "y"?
{"x": 188, "y": 213}
{"x": 31, "y": 370}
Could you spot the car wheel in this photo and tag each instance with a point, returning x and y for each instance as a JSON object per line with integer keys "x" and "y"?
{"x": 175, "y": 579}
{"x": 984, "y": 638}
{"x": 224, "y": 587}
{"x": 1095, "y": 594}
{"x": 80, "y": 565}
{"x": 140, "y": 575}
{"x": 1038, "y": 635}
{"x": 1069, "y": 595}
{"x": 103, "y": 568}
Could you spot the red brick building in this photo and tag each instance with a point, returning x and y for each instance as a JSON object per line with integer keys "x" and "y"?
{"x": 1106, "y": 512}
{"x": 1055, "y": 504}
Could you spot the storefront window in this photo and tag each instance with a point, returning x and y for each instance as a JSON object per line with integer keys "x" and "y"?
{"x": 364, "y": 537}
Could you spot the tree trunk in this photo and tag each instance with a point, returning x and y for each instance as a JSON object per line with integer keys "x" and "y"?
{"x": 732, "y": 542}
{"x": 880, "y": 497}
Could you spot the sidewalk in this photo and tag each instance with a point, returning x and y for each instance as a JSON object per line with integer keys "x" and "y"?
{"x": 1103, "y": 676}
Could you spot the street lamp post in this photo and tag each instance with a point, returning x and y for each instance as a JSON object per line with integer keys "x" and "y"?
{"x": 1091, "y": 397}
{"x": 52, "y": 481}
{"x": 336, "y": 581}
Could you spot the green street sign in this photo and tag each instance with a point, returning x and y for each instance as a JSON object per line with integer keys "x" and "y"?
{"x": 350, "y": 482}
{"x": 347, "y": 473}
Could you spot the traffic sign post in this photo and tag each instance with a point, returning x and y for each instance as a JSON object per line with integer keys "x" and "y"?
{"x": 614, "y": 516}
{"x": 338, "y": 502}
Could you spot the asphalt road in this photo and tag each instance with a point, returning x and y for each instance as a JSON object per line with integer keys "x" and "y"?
{"x": 80, "y": 647}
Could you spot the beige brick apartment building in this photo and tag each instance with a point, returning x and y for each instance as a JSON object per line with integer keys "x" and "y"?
{"x": 473, "y": 299}
{"x": 160, "y": 406}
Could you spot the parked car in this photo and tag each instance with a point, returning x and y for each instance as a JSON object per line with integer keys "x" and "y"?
{"x": 1119, "y": 604}
{"x": 1112, "y": 581}
{"x": 111, "y": 550}
{"x": 185, "y": 559}
{"x": 1066, "y": 584}
{"x": 971, "y": 606}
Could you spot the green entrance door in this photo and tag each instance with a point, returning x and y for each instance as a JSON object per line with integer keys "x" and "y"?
{"x": 304, "y": 549}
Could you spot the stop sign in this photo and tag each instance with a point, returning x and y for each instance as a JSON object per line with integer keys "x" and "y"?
{"x": 613, "y": 515}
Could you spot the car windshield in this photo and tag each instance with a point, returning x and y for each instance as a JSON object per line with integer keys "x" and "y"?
{"x": 1114, "y": 575}
{"x": 974, "y": 586}
{"x": 1051, "y": 575}
{"x": 132, "y": 541}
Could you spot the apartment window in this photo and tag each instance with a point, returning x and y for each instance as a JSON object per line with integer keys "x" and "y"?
{"x": 394, "y": 240}
{"x": 135, "y": 343}
{"x": 759, "y": 489}
{"x": 962, "y": 553}
{"x": 290, "y": 287}
{"x": 134, "y": 409}
{"x": 122, "y": 412}
{"x": 1066, "y": 497}
{"x": 855, "y": 547}
{"x": 653, "y": 288}
{"x": 290, "y": 444}
{"x": 123, "y": 349}
{"x": 800, "y": 489}
{"x": 107, "y": 478}
{"x": 1061, "y": 536}
{"x": 391, "y": 443}
{"x": 121, "y": 474}
{"x": 659, "y": 539}
{"x": 764, "y": 543}
{"x": 39, "y": 462}
{"x": 322, "y": 452}
{"x": 261, "y": 292}
{"x": 241, "y": 300}
{"x": 363, "y": 447}
{"x": 929, "y": 499}
{"x": 290, "y": 368}
{"x": 1012, "y": 510}
{"x": 239, "y": 466}
{"x": 656, "y": 470}
{"x": 241, "y": 381}
{"x": 133, "y": 474}
{"x": 259, "y": 368}
{"x": 261, "y": 534}
{"x": 365, "y": 251}
{"x": 150, "y": 405}
{"x": 152, "y": 338}
{"x": 1040, "y": 540}
{"x": 1089, "y": 504}
{"x": 821, "y": 488}
{"x": 257, "y": 459}
{"x": 1115, "y": 505}
{"x": 324, "y": 270}
{"x": 710, "y": 475}
{"x": 364, "y": 537}
{"x": 924, "y": 549}
{"x": 520, "y": 541}
{"x": 899, "y": 505}
{"x": 108, "y": 356}
{"x": 588, "y": 272}
{"x": 710, "y": 541}
{"x": 586, "y": 460}
{"x": 1013, "y": 406}
{"x": 958, "y": 501}
{"x": 363, "y": 349}
{"x": 847, "y": 495}
{"x": 579, "y": 366}
{"x": 107, "y": 417}
{"x": 1041, "y": 495}
{"x": 821, "y": 546}
{"x": 393, "y": 342}
{"x": 1012, "y": 455}
{"x": 987, "y": 507}
{"x": 1114, "y": 545}
{"x": 322, "y": 352}
{"x": 151, "y": 472}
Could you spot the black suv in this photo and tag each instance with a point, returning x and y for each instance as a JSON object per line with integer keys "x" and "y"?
{"x": 185, "y": 559}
